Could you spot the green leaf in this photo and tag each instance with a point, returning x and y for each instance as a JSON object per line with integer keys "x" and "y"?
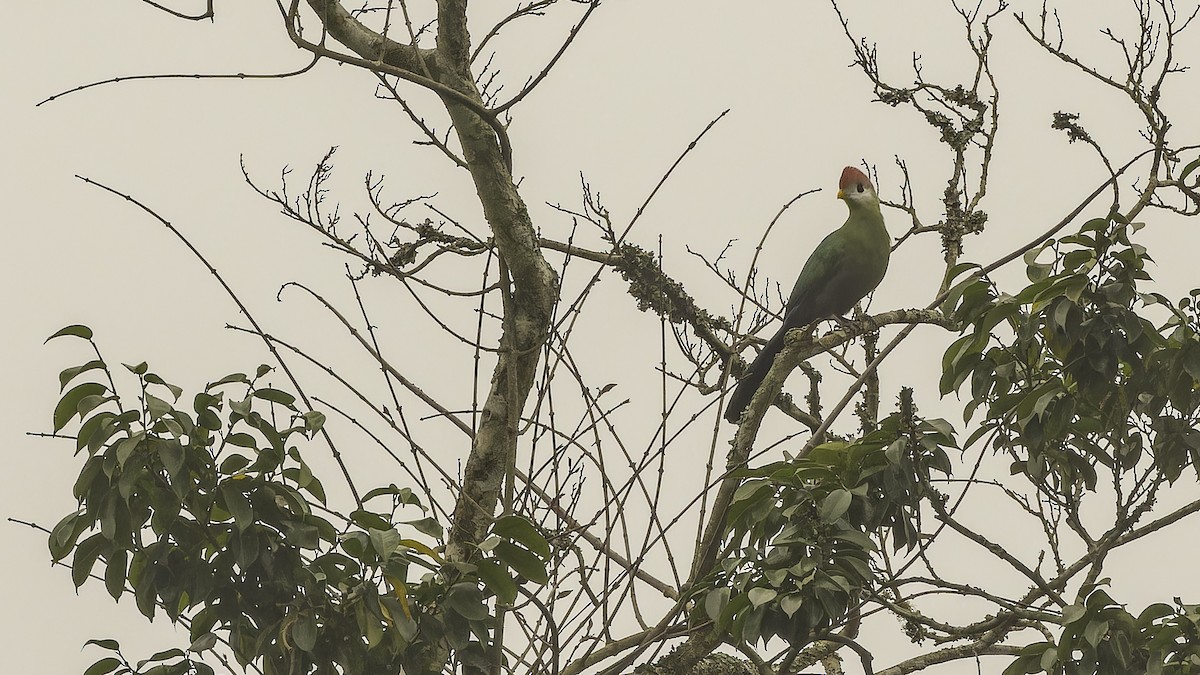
{"x": 62, "y": 538}
{"x": 207, "y": 418}
{"x": 749, "y": 498}
{"x": 791, "y": 602}
{"x": 95, "y": 431}
{"x": 314, "y": 421}
{"x": 429, "y": 526}
{"x": 835, "y": 505}
{"x": 368, "y": 520}
{"x": 304, "y": 632}
{"x": 1152, "y": 613}
{"x": 465, "y": 600}
{"x": 86, "y": 554}
{"x": 384, "y": 542}
{"x": 858, "y": 539}
{"x": 71, "y": 373}
{"x": 1187, "y": 170}
{"x": 172, "y": 456}
{"x": 715, "y": 602}
{"x": 111, "y": 645}
{"x": 1034, "y": 270}
{"x": 403, "y": 495}
{"x": 155, "y": 379}
{"x": 124, "y": 448}
{"x": 1073, "y": 613}
{"x": 238, "y": 505}
{"x": 314, "y": 488}
{"x": 103, "y": 666}
{"x": 523, "y": 532}
{"x": 68, "y": 405}
{"x": 229, "y": 379}
{"x": 355, "y": 543}
{"x": 498, "y": 581}
{"x": 301, "y": 534}
{"x": 203, "y": 643}
{"x": 241, "y": 407}
{"x": 761, "y": 596}
{"x": 158, "y": 408}
{"x": 276, "y": 396}
{"x": 1095, "y": 631}
{"x": 242, "y": 440}
{"x": 161, "y": 656}
{"x": 405, "y": 626}
{"x": 942, "y": 426}
{"x": 145, "y": 586}
{"x": 114, "y": 575}
{"x": 77, "y": 330}
{"x": 234, "y": 463}
{"x": 1049, "y": 658}
{"x": 523, "y": 561}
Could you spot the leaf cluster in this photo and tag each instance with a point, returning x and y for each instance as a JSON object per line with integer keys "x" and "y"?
{"x": 809, "y": 528}
{"x": 210, "y": 514}
{"x": 1069, "y": 375}
{"x": 1101, "y": 636}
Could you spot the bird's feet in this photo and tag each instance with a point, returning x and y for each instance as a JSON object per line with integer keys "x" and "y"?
{"x": 842, "y": 322}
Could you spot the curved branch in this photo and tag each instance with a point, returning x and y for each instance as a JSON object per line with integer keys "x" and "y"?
{"x": 208, "y": 13}
{"x": 184, "y": 76}
{"x": 967, "y": 651}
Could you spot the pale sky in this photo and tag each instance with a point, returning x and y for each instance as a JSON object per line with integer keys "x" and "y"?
{"x": 643, "y": 79}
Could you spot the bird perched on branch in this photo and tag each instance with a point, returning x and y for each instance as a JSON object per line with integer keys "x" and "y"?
{"x": 848, "y": 264}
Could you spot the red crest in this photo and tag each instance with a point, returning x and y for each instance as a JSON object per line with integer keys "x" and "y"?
{"x": 850, "y": 176}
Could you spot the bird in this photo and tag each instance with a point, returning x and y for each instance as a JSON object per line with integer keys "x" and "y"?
{"x": 847, "y": 265}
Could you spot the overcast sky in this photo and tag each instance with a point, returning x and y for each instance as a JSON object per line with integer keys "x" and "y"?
{"x": 643, "y": 79}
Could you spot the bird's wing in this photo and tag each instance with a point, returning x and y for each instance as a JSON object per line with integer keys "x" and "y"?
{"x": 824, "y": 271}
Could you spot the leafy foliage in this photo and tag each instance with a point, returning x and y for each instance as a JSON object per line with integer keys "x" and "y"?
{"x": 210, "y": 514}
{"x": 810, "y": 526}
{"x": 167, "y": 662}
{"x": 1101, "y": 636}
{"x": 1074, "y": 379}
{"x": 1080, "y": 379}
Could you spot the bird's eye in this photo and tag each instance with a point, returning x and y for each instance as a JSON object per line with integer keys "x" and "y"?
{"x": 860, "y": 187}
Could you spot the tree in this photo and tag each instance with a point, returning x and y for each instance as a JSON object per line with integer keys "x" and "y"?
{"x": 557, "y": 546}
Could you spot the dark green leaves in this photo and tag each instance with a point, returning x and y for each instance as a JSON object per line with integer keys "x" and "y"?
{"x": 810, "y": 526}
{"x": 76, "y": 401}
{"x": 1068, "y": 374}
{"x": 64, "y": 535}
{"x": 206, "y": 509}
{"x": 835, "y": 505}
{"x": 1101, "y": 636}
{"x": 75, "y": 331}
{"x": 167, "y": 662}
{"x": 521, "y": 531}
{"x": 304, "y": 632}
{"x": 521, "y": 548}
{"x": 71, "y": 373}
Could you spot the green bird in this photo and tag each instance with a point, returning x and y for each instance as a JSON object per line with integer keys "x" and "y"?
{"x": 848, "y": 264}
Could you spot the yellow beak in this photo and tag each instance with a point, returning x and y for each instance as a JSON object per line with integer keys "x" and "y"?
{"x": 841, "y": 194}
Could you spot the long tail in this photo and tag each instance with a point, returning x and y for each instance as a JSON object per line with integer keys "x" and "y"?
{"x": 744, "y": 391}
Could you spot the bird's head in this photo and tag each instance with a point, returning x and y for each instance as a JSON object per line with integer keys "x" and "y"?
{"x": 856, "y": 188}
